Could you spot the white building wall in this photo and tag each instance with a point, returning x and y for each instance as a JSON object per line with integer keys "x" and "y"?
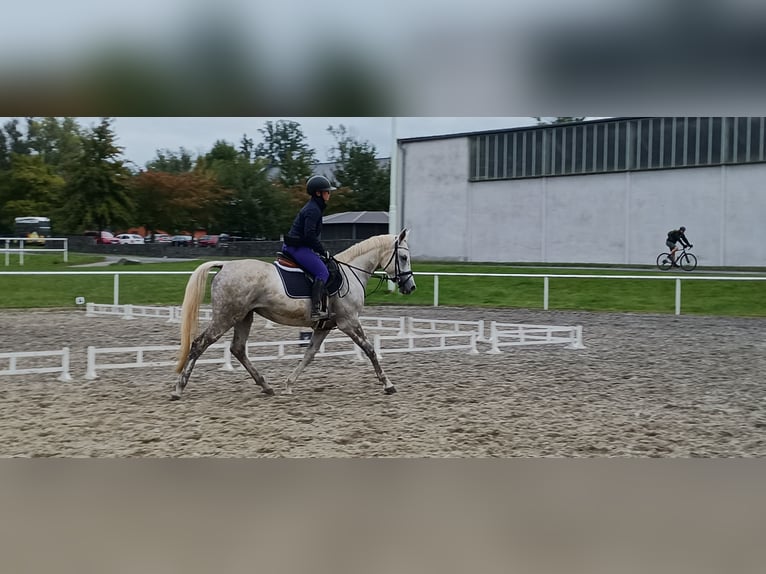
{"x": 435, "y": 198}
{"x": 619, "y": 218}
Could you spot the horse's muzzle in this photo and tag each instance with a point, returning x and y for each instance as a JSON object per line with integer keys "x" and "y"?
{"x": 407, "y": 287}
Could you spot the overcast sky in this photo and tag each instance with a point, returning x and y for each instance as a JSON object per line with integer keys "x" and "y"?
{"x": 142, "y": 137}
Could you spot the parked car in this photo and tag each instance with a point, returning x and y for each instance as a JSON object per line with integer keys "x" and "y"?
{"x": 157, "y": 238}
{"x": 130, "y": 239}
{"x": 182, "y": 240}
{"x": 102, "y": 237}
{"x": 208, "y": 241}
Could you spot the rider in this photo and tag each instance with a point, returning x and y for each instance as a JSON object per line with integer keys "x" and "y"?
{"x": 303, "y": 243}
{"x": 674, "y": 236}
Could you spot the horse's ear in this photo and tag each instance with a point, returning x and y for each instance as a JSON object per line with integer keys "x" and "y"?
{"x": 403, "y": 235}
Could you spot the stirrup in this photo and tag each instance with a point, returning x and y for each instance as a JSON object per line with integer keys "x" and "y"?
{"x": 319, "y": 315}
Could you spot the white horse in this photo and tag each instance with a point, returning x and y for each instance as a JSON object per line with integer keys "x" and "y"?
{"x": 248, "y": 286}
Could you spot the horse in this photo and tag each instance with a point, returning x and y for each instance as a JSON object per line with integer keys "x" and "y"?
{"x": 246, "y": 286}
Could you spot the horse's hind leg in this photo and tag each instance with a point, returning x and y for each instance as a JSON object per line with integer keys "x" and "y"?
{"x": 198, "y": 346}
{"x": 239, "y": 350}
{"x": 316, "y": 342}
{"x": 354, "y": 330}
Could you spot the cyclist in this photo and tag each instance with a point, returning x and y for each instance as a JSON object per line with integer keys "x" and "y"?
{"x": 674, "y": 236}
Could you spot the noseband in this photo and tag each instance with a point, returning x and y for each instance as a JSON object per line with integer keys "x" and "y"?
{"x": 400, "y": 277}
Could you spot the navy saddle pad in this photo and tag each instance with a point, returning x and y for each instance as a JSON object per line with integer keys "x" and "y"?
{"x": 297, "y": 283}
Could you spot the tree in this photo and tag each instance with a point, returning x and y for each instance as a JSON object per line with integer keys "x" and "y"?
{"x": 285, "y": 148}
{"x": 30, "y": 188}
{"x": 14, "y": 138}
{"x": 177, "y": 201}
{"x": 57, "y": 142}
{"x": 97, "y": 193}
{"x": 365, "y": 185}
{"x": 257, "y": 206}
{"x": 171, "y": 162}
{"x": 5, "y": 152}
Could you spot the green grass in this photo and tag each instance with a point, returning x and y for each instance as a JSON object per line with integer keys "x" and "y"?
{"x": 730, "y": 298}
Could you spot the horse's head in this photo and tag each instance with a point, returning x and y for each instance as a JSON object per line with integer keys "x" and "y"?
{"x": 398, "y": 265}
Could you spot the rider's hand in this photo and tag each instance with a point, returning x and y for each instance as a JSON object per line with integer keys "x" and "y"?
{"x": 690, "y": 246}
{"x": 327, "y": 255}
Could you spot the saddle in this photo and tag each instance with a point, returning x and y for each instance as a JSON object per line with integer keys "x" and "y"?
{"x": 297, "y": 282}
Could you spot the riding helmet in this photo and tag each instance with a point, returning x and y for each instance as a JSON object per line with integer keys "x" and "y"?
{"x": 682, "y": 228}
{"x": 318, "y": 183}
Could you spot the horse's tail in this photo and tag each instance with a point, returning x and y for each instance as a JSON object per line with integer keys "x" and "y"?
{"x": 195, "y": 291}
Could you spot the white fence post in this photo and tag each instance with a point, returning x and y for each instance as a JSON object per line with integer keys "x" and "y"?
{"x": 116, "y": 288}
{"x": 480, "y": 329}
{"x": 493, "y": 339}
{"x": 678, "y": 296}
{"x": 474, "y": 350}
{"x": 577, "y": 338}
{"x": 436, "y": 290}
{"x": 545, "y": 293}
{"x": 65, "y": 365}
{"x": 90, "y": 373}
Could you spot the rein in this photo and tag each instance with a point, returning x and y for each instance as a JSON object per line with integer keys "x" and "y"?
{"x": 399, "y": 276}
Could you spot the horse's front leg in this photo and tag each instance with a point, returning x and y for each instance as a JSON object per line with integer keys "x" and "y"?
{"x": 316, "y": 342}
{"x": 355, "y": 331}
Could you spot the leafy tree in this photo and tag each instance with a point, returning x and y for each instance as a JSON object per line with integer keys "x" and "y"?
{"x": 285, "y": 148}
{"x": 30, "y": 188}
{"x": 97, "y": 193}
{"x": 365, "y": 184}
{"x": 256, "y": 207}
{"x": 57, "y": 141}
{"x": 15, "y": 141}
{"x": 5, "y": 152}
{"x": 171, "y": 162}
{"x": 177, "y": 201}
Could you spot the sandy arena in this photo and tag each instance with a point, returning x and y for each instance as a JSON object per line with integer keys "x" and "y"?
{"x": 644, "y": 386}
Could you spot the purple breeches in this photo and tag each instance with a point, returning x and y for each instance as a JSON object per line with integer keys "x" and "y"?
{"x": 309, "y": 260}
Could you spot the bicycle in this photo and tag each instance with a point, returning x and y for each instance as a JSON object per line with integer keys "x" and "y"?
{"x": 687, "y": 261}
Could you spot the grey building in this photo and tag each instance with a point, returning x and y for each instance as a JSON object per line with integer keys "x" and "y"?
{"x": 604, "y": 191}
{"x": 355, "y": 225}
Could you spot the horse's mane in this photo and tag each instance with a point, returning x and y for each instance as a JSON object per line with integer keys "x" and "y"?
{"x": 365, "y": 246}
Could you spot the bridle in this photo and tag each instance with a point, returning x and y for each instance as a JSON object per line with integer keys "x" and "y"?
{"x": 399, "y": 277}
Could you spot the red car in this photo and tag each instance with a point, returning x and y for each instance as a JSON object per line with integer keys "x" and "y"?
{"x": 103, "y": 237}
{"x": 208, "y": 241}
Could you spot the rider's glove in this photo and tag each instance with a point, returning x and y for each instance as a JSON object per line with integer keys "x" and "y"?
{"x": 327, "y": 255}
{"x": 690, "y": 246}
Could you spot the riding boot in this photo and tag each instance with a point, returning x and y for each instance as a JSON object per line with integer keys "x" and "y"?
{"x": 317, "y": 296}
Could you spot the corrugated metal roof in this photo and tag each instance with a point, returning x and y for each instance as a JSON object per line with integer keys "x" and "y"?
{"x": 357, "y": 217}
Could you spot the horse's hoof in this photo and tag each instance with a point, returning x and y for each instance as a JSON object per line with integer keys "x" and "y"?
{"x": 269, "y": 392}
{"x": 175, "y": 397}
{"x": 389, "y": 390}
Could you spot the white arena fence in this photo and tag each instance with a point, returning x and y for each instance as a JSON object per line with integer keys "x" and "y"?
{"x": 6, "y": 242}
{"x": 411, "y": 335}
{"x": 165, "y": 355}
{"x": 402, "y": 325}
{"x": 514, "y": 335}
{"x": 408, "y": 335}
{"x": 545, "y": 277}
{"x": 33, "y": 360}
